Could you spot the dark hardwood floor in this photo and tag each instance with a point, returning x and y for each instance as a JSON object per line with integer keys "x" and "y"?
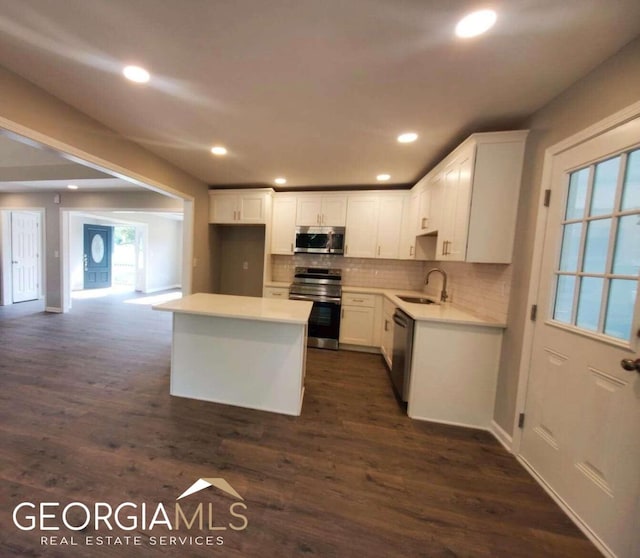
{"x": 86, "y": 416}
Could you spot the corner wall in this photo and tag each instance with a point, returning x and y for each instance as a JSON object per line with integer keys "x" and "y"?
{"x": 612, "y": 86}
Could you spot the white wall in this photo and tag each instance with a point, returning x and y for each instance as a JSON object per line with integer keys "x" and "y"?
{"x": 164, "y": 253}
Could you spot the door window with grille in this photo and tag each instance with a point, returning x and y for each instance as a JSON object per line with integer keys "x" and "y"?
{"x": 599, "y": 262}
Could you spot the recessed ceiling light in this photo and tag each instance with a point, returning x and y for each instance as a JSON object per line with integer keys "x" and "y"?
{"x": 136, "y": 73}
{"x": 407, "y": 137}
{"x": 72, "y": 187}
{"x": 219, "y": 150}
{"x": 383, "y": 177}
{"x": 475, "y": 23}
{"x": 280, "y": 180}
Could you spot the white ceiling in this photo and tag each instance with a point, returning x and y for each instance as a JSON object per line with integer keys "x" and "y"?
{"x": 27, "y": 168}
{"x": 312, "y": 90}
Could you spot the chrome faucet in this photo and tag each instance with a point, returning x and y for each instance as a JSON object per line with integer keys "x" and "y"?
{"x": 443, "y": 294}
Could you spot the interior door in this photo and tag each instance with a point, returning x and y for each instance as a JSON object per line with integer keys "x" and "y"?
{"x": 582, "y": 422}
{"x": 25, "y": 256}
{"x": 97, "y": 256}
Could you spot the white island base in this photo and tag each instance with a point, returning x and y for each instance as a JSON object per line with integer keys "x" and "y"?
{"x": 244, "y": 351}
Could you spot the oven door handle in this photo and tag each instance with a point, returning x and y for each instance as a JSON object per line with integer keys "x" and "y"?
{"x": 329, "y": 300}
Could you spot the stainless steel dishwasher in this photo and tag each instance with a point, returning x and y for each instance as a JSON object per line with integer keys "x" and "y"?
{"x": 402, "y": 350}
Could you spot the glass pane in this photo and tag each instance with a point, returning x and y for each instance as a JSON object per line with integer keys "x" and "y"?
{"x": 604, "y": 186}
{"x": 631, "y": 192}
{"x": 577, "y": 194}
{"x": 589, "y": 303}
{"x": 564, "y": 298}
{"x": 596, "y": 246}
{"x": 622, "y": 298}
{"x": 626, "y": 260}
{"x": 570, "y": 247}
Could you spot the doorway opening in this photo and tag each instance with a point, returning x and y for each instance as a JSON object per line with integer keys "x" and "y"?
{"x": 124, "y": 256}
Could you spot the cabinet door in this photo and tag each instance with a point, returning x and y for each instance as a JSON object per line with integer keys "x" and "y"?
{"x": 356, "y": 325}
{"x": 408, "y": 227}
{"x": 389, "y": 227}
{"x": 283, "y": 225}
{"x": 309, "y": 211}
{"x": 223, "y": 208}
{"x": 424, "y": 212}
{"x": 457, "y": 248}
{"x": 251, "y": 208}
{"x": 361, "y": 233}
{"x": 386, "y": 346}
{"x": 334, "y": 211}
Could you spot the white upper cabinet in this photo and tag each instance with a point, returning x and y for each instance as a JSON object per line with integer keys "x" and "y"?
{"x": 321, "y": 210}
{"x": 362, "y": 216}
{"x": 389, "y": 226}
{"x": 374, "y": 225}
{"x": 283, "y": 225}
{"x": 239, "y": 206}
{"x": 478, "y": 203}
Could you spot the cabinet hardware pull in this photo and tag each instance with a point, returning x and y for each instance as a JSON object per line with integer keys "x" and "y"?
{"x": 292, "y": 246}
{"x": 411, "y": 250}
{"x": 386, "y": 325}
{"x": 358, "y": 300}
{"x": 342, "y": 314}
{"x": 378, "y": 250}
{"x": 423, "y": 225}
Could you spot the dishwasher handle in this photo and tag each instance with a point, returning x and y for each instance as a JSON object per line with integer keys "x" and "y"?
{"x": 400, "y": 320}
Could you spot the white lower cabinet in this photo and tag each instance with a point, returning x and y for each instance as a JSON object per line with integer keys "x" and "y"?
{"x": 386, "y": 335}
{"x": 359, "y": 317}
{"x": 276, "y": 292}
{"x": 454, "y": 373}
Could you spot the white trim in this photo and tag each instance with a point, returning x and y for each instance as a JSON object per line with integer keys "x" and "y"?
{"x": 567, "y": 510}
{"x": 501, "y": 435}
{"x": 53, "y": 309}
{"x": 452, "y": 423}
{"x": 617, "y": 119}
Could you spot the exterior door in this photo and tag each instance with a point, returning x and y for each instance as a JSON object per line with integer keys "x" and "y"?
{"x": 97, "y": 256}
{"x": 582, "y": 421}
{"x": 25, "y": 256}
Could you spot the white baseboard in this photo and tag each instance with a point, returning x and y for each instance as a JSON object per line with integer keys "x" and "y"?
{"x": 450, "y": 422}
{"x": 573, "y": 516}
{"x": 501, "y": 435}
{"x": 359, "y": 348}
{"x": 53, "y": 309}
{"x": 158, "y": 289}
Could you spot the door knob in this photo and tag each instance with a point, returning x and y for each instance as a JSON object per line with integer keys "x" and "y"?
{"x": 630, "y": 364}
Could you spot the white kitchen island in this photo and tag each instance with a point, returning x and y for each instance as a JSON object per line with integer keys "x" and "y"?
{"x": 237, "y": 350}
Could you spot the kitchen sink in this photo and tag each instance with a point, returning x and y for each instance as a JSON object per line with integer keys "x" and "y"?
{"x": 417, "y": 299}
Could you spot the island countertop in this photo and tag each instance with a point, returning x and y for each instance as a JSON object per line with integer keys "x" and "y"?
{"x": 241, "y": 307}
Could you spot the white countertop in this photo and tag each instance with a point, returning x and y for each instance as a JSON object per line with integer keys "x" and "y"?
{"x": 241, "y": 307}
{"x": 441, "y": 312}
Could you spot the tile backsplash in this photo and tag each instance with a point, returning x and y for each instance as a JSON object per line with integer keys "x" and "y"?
{"x": 480, "y": 288}
{"x": 360, "y": 272}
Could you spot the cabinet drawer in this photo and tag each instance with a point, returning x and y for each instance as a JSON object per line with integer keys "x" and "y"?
{"x": 276, "y": 292}
{"x": 357, "y": 299}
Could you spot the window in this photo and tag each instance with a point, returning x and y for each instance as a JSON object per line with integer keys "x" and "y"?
{"x": 599, "y": 262}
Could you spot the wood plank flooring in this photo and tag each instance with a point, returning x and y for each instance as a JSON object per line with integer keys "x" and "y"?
{"x": 86, "y": 416}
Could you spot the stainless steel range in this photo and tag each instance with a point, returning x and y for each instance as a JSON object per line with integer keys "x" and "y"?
{"x": 322, "y": 286}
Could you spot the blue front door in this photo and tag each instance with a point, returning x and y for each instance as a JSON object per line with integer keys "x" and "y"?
{"x": 97, "y": 256}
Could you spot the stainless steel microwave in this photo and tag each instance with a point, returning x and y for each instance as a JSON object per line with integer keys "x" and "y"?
{"x": 319, "y": 240}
